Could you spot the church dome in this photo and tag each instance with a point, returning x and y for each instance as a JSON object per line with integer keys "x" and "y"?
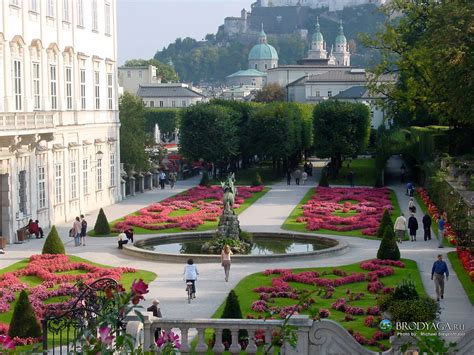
{"x": 262, "y": 50}
{"x": 317, "y": 35}
{"x": 341, "y": 39}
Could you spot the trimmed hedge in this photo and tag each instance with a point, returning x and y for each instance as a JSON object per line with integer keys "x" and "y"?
{"x": 232, "y": 311}
{"x": 386, "y": 222}
{"x": 53, "y": 244}
{"x": 102, "y": 224}
{"x": 388, "y": 249}
{"x": 24, "y": 323}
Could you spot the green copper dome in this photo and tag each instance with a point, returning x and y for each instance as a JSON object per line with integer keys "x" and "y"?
{"x": 317, "y": 35}
{"x": 263, "y": 51}
{"x": 341, "y": 39}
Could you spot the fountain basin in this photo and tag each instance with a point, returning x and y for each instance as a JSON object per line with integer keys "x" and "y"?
{"x": 268, "y": 247}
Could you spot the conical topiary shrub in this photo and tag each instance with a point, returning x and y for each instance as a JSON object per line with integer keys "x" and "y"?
{"x": 101, "y": 225}
{"x": 323, "y": 179}
{"x": 53, "y": 244}
{"x": 257, "y": 179}
{"x": 386, "y": 222}
{"x": 388, "y": 248}
{"x": 24, "y": 323}
{"x": 205, "y": 179}
{"x": 232, "y": 311}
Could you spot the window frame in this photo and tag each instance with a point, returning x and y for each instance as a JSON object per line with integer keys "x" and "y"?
{"x": 82, "y": 83}
{"x": 17, "y": 84}
{"x": 36, "y": 78}
{"x": 68, "y": 87}
{"x": 58, "y": 183}
{"x": 41, "y": 187}
{"x": 53, "y": 86}
{"x": 97, "y": 89}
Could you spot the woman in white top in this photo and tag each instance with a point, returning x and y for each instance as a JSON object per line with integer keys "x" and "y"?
{"x": 225, "y": 260}
{"x": 411, "y": 206}
{"x": 190, "y": 275}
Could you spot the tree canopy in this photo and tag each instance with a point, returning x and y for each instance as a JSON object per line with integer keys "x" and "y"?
{"x": 166, "y": 71}
{"x": 270, "y": 93}
{"x": 341, "y": 129}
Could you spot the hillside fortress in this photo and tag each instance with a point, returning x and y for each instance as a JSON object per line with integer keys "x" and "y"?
{"x": 333, "y": 5}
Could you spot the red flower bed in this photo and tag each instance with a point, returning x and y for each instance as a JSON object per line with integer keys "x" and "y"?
{"x": 49, "y": 268}
{"x": 318, "y": 212}
{"x": 201, "y": 204}
{"x": 467, "y": 260}
{"x": 281, "y": 288}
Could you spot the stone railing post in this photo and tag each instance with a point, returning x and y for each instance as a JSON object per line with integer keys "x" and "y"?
{"x": 148, "y": 336}
{"x": 251, "y": 347}
{"x": 184, "y": 341}
{"x": 218, "y": 346}
{"x": 235, "y": 346}
{"x": 303, "y": 325}
{"x": 201, "y": 347}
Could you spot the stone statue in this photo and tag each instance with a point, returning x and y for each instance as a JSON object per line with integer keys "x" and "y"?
{"x": 157, "y": 134}
{"x": 230, "y": 192}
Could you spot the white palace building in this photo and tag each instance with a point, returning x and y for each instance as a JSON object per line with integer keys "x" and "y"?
{"x": 59, "y": 124}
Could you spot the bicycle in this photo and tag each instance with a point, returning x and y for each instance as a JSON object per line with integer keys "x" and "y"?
{"x": 189, "y": 290}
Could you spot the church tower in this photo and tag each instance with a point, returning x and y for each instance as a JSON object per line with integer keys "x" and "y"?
{"x": 263, "y": 56}
{"x": 341, "y": 52}
{"x": 318, "y": 46}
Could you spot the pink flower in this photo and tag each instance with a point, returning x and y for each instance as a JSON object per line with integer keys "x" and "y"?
{"x": 7, "y": 342}
{"x": 139, "y": 287}
{"x": 105, "y": 337}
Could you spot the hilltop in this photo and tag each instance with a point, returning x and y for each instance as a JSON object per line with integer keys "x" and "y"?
{"x": 289, "y": 30}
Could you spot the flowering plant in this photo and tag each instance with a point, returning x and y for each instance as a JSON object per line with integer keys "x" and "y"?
{"x": 168, "y": 343}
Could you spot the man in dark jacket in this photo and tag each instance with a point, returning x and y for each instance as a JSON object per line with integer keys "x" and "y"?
{"x": 155, "y": 309}
{"x": 412, "y": 227}
{"x": 427, "y": 226}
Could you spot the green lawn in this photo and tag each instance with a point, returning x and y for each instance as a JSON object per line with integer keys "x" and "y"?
{"x": 247, "y": 296}
{"x": 208, "y": 225}
{"x": 291, "y": 224}
{"x": 364, "y": 172}
{"x": 462, "y": 274}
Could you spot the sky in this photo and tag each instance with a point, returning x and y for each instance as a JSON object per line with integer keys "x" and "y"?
{"x": 144, "y": 26}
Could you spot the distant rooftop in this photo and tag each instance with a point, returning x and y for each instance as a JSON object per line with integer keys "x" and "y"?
{"x": 248, "y": 72}
{"x": 167, "y": 90}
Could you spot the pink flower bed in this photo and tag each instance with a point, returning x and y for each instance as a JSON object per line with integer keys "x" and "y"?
{"x": 48, "y": 268}
{"x": 328, "y": 280}
{"x": 202, "y": 203}
{"x": 318, "y": 212}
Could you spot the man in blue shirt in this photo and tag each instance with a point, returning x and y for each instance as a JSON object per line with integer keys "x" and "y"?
{"x": 437, "y": 271}
{"x": 441, "y": 225}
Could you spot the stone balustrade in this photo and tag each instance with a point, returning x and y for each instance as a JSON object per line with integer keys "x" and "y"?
{"x": 313, "y": 337}
{"x": 25, "y": 121}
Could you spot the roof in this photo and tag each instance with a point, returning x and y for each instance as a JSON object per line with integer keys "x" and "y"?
{"x": 141, "y": 67}
{"x": 340, "y": 75}
{"x": 166, "y": 90}
{"x": 356, "y": 92}
{"x": 248, "y": 72}
{"x": 263, "y": 51}
{"x": 309, "y": 66}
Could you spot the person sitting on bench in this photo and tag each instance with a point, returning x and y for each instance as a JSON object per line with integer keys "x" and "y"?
{"x": 129, "y": 234}
{"x": 34, "y": 228}
{"x": 122, "y": 239}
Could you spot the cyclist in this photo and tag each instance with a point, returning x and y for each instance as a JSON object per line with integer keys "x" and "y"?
{"x": 190, "y": 275}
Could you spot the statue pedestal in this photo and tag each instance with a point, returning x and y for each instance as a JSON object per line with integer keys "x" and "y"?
{"x": 228, "y": 226}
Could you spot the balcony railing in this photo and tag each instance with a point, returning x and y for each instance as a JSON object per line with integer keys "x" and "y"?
{"x": 26, "y": 121}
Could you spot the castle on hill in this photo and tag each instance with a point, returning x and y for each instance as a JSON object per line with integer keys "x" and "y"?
{"x": 333, "y": 5}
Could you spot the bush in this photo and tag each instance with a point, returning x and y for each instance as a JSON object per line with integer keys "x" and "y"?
{"x": 388, "y": 248}
{"x": 53, "y": 244}
{"x": 24, "y": 323}
{"x": 424, "y": 309}
{"x": 386, "y": 222}
{"x": 205, "y": 179}
{"x": 384, "y": 301}
{"x": 232, "y": 311}
{"x": 406, "y": 291}
{"x": 257, "y": 179}
{"x": 323, "y": 179}
{"x": 102, "y": 224}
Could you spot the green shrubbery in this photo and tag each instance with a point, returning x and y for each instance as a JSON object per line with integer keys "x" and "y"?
{"x": 323, "y": 179}
{"x": 386, "y": 222}
{"x": 24, "y": 323}
{"x": 102, "y": 224}
{"x": 53, "y": 244}
{"x": 388, "y": 249}
{"x": 232, "y": 311}
{"x": 205, "y": 179}
{"x": 406, "y": 291}
{"x": 257, "y": 180}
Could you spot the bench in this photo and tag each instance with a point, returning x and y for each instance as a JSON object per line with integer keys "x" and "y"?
{"x": 22, "y": 234}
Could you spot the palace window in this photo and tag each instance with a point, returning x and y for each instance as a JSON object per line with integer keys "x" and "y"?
{"x": 112, "y": 169}
{"x": 152, "y": 103}
{"x": 107, "y": 18}
{"x": 69, "y": 88}
{"x": 83, "y": 88}
{"x": 53, "y": 87}
{"x": 97, "y": 89}
{"x": 58, "y": 183}
{"x": 85, "y": 175}
{"x": 50, "y": 8}
{"x": 66, "y": 10}
{"x": 41, "y": 187}
{"x": 22, "y": 193}
{"x": 17, "y": 84}
{"x": 99, "y": 174}
{"x": 161, "y": 103}
{"x": 34, "y": 5}
{"x": 36, "y": 86}
{"x": 110, "y": 91}
{"x": 329, "y": 93}
{"x": 73, "y": 178}
{"x": 95, "y": 25}
{"x": 80, "y": 13}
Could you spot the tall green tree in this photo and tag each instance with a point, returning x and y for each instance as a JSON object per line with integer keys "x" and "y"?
{"x": 166, "y": 71}
{"x": 270, "y": 93}
{"x": 133, "y": 137}
{"x": 209, "y": 132}
{"x": 430, "y": 47}
{"x": 341, "y": 129}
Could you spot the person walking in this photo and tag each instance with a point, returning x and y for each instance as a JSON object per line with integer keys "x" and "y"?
{"x": 441, "y": 226}
{"x": 297, "y": 176}
{"x": 225, "y": 261}
{"x": 412, "y": 227}
{"x": 400, "y": 227}
{"x": 351, "y": 177}
{"x": 76, "y": 231}
{"x": 172, "y": 180}
{"x": 411, "y": 206}
{"x": 83, "y": 230}
{"x": 288, "y": 177}
{"x": 190, "y": 275}
{"x": 402, "y": 172}
{"x": 155, "y": 309}
{"x": 304, "y": 177}
{"x": 410, "y": 189}
{"x": 162, "y": 179}
{"x": 310, "y": 169}
{"x": 426, "y": 226}
{"x": 437, "y": 271}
